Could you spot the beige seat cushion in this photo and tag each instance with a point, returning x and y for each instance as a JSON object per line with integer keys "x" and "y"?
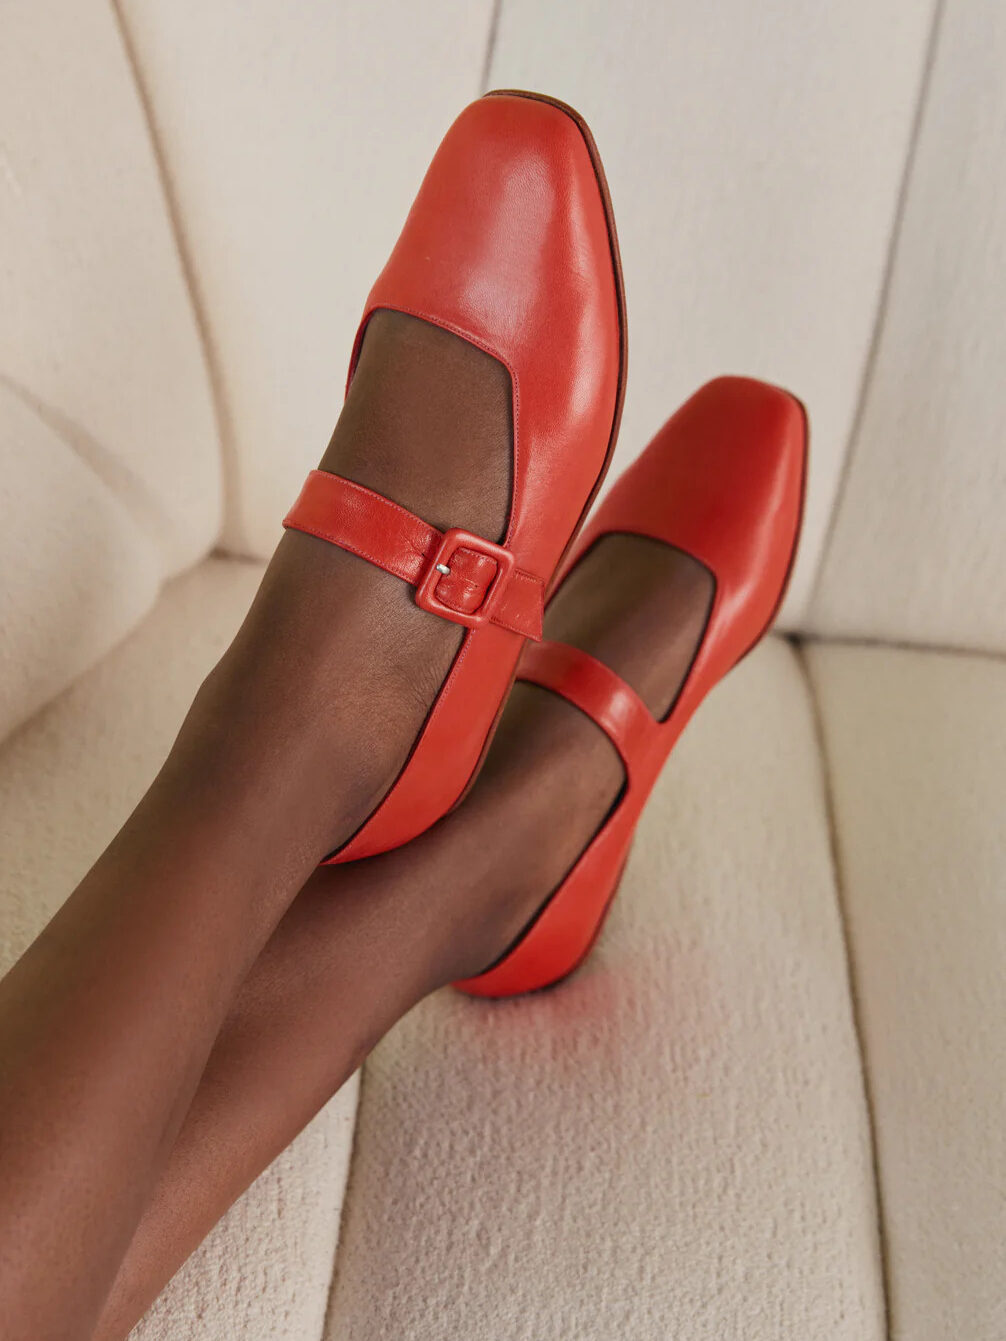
{"x": 755, "y": 154}
{"x": 918, "y": 552}
{"x": 672, "y": 1144}
{"x": 917, "y": 749}
{"x": 293, "y": 141}
{"x": 79, "y": 570}
{"x": 110, "y": 476}
{"x": 67, "y": 780}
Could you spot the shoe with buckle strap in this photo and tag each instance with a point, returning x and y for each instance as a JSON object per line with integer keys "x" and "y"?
{"x": 510, "y": 245}
{"x": 722, "y": 482}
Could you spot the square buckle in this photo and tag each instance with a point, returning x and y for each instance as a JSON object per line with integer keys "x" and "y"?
{"x": 439, "y": 566}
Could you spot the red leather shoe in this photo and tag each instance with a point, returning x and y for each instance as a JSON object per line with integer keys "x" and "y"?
{"x": 511, "y": 245}
{"x": 723, "y": 481}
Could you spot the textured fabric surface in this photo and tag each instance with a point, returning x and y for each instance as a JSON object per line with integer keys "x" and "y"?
{"x": 97, "y": 327}
{"x": 264, "y": 1272}
{"x": 67, "y": 780}
{"x": 110, "y": 459}
{"x": 294, "y": 141}
{"x": 78, "y": 571}
{"x": 754, "y": 153}
{"x": 916, "y": 743}
{"x": 673, "y": 1143}
{"x": 923, "y": 506}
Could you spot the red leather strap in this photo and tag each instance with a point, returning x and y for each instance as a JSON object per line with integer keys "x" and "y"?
{"x": 483, "y": 585}
{"x": 596, "y": 690}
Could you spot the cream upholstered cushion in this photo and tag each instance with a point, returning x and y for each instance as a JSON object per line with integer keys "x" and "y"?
{"x": 294, "y": 139}
{"x": 109, "y": 463}
{"x": 67, "y": 780}
{"x": 916, "y": 750}
{"x": 674, "y": 1143}
{"x": 755, "y": 153}
{"x": 919, "y": 547}
{"x": 78, "y": 569}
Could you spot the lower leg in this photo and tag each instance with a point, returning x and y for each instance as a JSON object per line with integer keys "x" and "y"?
{"x": 357, "y": 949}
{"x": 105, "y": 1026}
{"x": 363, "y": 943}
{"x": 107, "y": 1021}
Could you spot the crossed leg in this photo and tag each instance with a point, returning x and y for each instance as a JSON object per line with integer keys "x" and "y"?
{"x": 108, "y": 1019}
{"x": 182, "y": 1016}
{"x": 365, "y": 942}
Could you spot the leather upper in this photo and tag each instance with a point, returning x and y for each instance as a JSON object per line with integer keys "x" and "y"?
{"x": 722, "y": 481}
{"x": 509, "y": 245}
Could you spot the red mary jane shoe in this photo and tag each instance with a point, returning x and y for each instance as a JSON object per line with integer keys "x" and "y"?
{"x": 723, "y": 481}
{"x": 511, "y": 245}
